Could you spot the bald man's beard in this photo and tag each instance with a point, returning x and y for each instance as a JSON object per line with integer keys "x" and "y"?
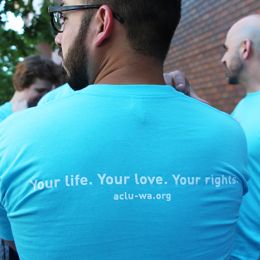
{"x": 76, "y": 63}
{"x": 235, "y": 70}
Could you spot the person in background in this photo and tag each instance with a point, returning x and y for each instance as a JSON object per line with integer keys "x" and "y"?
{"x": 33, "y": 78}
{"x": 242, "y": 64}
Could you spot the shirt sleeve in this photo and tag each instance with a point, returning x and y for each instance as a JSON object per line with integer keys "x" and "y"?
{"x": 5, "y": 227}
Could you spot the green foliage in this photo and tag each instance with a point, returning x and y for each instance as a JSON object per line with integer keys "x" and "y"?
{"x": 13, "y": 45}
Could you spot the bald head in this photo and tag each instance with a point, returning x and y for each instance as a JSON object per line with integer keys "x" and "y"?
{"x": 247, "y": 28}
{"x": 242, "y": 56}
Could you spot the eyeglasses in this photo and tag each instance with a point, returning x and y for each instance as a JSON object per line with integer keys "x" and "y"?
{"x": 57, "y": 18}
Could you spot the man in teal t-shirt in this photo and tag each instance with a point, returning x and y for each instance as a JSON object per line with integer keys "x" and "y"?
{"x": 242, "y": 61}
{"x": 33, "y": 78}
{"x": 126, "y": 168}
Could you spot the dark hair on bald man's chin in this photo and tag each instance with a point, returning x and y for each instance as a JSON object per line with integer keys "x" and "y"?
{"x": 233, "y": 81}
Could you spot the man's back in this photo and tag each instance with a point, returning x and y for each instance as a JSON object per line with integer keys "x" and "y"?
{"x": 122, "y": 172}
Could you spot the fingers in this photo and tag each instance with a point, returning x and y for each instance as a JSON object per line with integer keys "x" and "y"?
{"x": 179, "y": 81}
{"x": 194, "y": 95}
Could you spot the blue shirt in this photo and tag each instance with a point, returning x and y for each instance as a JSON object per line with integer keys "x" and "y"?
{"x": 247, "y": 243}
{"x": 5, "y": 111}
{"x": 122, "y": 172}
{"x": 60, "y": 92}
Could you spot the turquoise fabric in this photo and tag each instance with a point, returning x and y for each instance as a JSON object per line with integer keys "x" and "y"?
{"x": 122, "y": 172}
{"x": 5, "y": 111}
{"x": 247, "y": 243}
{"x": 60, "y": 92}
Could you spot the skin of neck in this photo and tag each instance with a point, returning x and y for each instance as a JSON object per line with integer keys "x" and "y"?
{"x": 251, "y": 79}
{"x": 19, "y": 101}
{"x": 130, "y": 69}
{"x": 119, "y": 64}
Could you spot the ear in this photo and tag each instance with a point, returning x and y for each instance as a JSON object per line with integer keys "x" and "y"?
{"x": 246, "y": 49}
{"x": 105, "y": 22}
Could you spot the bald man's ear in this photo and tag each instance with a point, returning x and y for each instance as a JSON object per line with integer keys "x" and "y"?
{"x": 246, "y": 49}
{"x": 104, "y": 26}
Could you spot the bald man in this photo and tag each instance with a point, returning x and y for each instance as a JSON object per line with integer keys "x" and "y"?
{"x": 242, "y": 62}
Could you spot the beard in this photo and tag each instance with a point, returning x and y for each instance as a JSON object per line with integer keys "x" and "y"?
{"x": 235, "y": 70}
{"x": 76, "y": 63}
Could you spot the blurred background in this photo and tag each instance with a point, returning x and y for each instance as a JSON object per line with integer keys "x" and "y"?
{"x": 196, "y": 48}
{"x": 24, "y": 30}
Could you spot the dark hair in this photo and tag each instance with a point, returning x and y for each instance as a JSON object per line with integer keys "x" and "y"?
{"x": 36, "y": 67}
{"x": 150, "y": 24}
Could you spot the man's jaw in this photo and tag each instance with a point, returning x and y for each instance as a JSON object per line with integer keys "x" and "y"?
{"x": 233, "y": 81}
{"x": 231, "y": 78}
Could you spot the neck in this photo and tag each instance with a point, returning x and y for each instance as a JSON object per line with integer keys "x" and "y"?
{"x": 253, "y": 87}
{"x": 18, "y": 101}
{"x": 252, "y": 78}
{"x": 137, "y": 69}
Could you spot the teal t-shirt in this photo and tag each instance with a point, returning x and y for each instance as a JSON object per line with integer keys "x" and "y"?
{"x": 5, "y": 111}
{"x": 120, "y": 173}
{"x": 60, "y": 92}
{"x": 247, "y": 243}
